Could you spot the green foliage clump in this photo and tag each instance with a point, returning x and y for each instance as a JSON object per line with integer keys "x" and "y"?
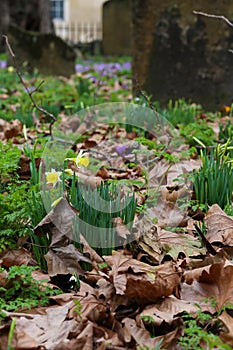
{"x": 196, "y": 333}
{"x": 226, "y": 131}
{"x": 97, "y": 217}
{"x": 13, "y": 196}
{"x": 9, "y": 158}
{"x": 180, "y": 112}
{"x": 21, "y": 290}
{"x": 197, "y": 130}
{"x": 213, "y": 182}
{"x": 21, "y": 205}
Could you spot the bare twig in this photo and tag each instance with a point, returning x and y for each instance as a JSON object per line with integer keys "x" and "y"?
{"x": 30, "y": 93}
{"x": 214, "y": 16}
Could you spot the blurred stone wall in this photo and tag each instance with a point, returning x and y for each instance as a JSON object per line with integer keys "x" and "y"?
{"x": 178, "y": 54}
{"x": 47, "y": 53}
{"x": 117, "y": 27}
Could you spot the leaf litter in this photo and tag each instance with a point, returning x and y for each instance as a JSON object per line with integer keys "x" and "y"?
{"x": 124, "y": 296}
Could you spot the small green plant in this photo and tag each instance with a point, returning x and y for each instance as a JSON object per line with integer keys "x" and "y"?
{"x": 78, "y": 307}
{"x": 157, "y": 347}
{"x": 9, "y": 159}
{"x": 95, "y": 216}
{"x": 13, "y": 197}
{"x": 197, "y": 130}
{"x": 181, "y": 112}
{"x": 213, "y": 182}
{"x": 21, "y": 290}
{"x": 197, "y": 333}
{"x": 226, "y": 131}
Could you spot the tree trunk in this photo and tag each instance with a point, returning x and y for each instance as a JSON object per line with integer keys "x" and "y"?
{"x": 4, "y": 16}
{"x": 143, "y": 19}
{"x": 33, "y": 15}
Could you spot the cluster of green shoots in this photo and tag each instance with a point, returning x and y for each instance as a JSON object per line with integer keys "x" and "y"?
{"x": 213, "y": 182}
{"x": 95, "y": 221}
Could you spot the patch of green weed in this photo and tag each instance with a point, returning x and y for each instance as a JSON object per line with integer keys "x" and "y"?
{"x": 21, "y": 290}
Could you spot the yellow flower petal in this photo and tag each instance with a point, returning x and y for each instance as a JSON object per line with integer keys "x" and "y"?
{"x": 69, "y": 172}
{"x": 10, "y": 69}
{"x": 80, "y": 160}
{"x": 53, "y": 177}
{"x": 84, "y": 161}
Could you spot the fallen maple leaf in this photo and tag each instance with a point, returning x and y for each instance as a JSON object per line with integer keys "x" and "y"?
{"x": 167, "y": 310}
{"x": 219, "y": 226}
{"x": 142, "y": 337}
{"x": 136, "y": 279}
{"x": 215, "y": 283}
{"x": 227, "y": 336}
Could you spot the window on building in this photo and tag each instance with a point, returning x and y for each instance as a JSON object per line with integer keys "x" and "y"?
{"x": 57, "y": 8}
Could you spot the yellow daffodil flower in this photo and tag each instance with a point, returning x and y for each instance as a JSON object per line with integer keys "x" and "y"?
{"x": 10, "y": 69}
{"x": 53, "y": 177}
{"x": 69, "y": 172}
{"x": 80, "y": 160}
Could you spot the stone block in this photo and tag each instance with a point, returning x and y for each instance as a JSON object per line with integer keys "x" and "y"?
{"x": 176, "y": 54}
{"x": 117, "y": 27}
{"x": 45, "y": 52}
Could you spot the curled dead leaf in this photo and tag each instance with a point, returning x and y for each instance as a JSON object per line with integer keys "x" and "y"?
{"x": 220, "y": 226}
{"x": 136, "y": 279}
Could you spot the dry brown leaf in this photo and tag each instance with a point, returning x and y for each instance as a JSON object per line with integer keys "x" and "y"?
{"x": 23, "y": 340}
{"x": 48, "y": 330}
{"x": 62, "y": 216}
{"x": 69, "y": 344}
{"x": 220, "y": 226}
{"x": 194, "y": 274}
{"x": 149, "y": 243}
{"x": 227, "y": 336}
{"x": 86, "y": 337}
{"x": 174, "y": 243}
{"x": 13, "y": 128}
{"x": 90, "y": 180}
{"x": 94, "y": 256}
{"x": 166, "y": 310}
{"x": 168, "y": 214}
{"x": 24, "y": 167}
{"x": 103, "y": 173}
{"x": 142, "y": 337}
{"x": 217, "y": 284}
{"x": 136, "y": 279}
{"x": 63, "y": 260}
{"x": 121, "y": 229}
{"x": 16, "y": 257}
{"x": 105, "y": 289}
{"x": 2, "y": 125}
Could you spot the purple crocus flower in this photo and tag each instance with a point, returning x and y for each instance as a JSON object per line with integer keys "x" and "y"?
{"x": 3, "y": 64}
{"x": 126, "y": 65}
{"x": 121, "y": 149}
{"x": 30, "y": 89}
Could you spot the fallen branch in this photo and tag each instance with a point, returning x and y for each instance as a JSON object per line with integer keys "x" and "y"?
{"x": 214, "y": 16}
{"x": 39, "y": 108}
